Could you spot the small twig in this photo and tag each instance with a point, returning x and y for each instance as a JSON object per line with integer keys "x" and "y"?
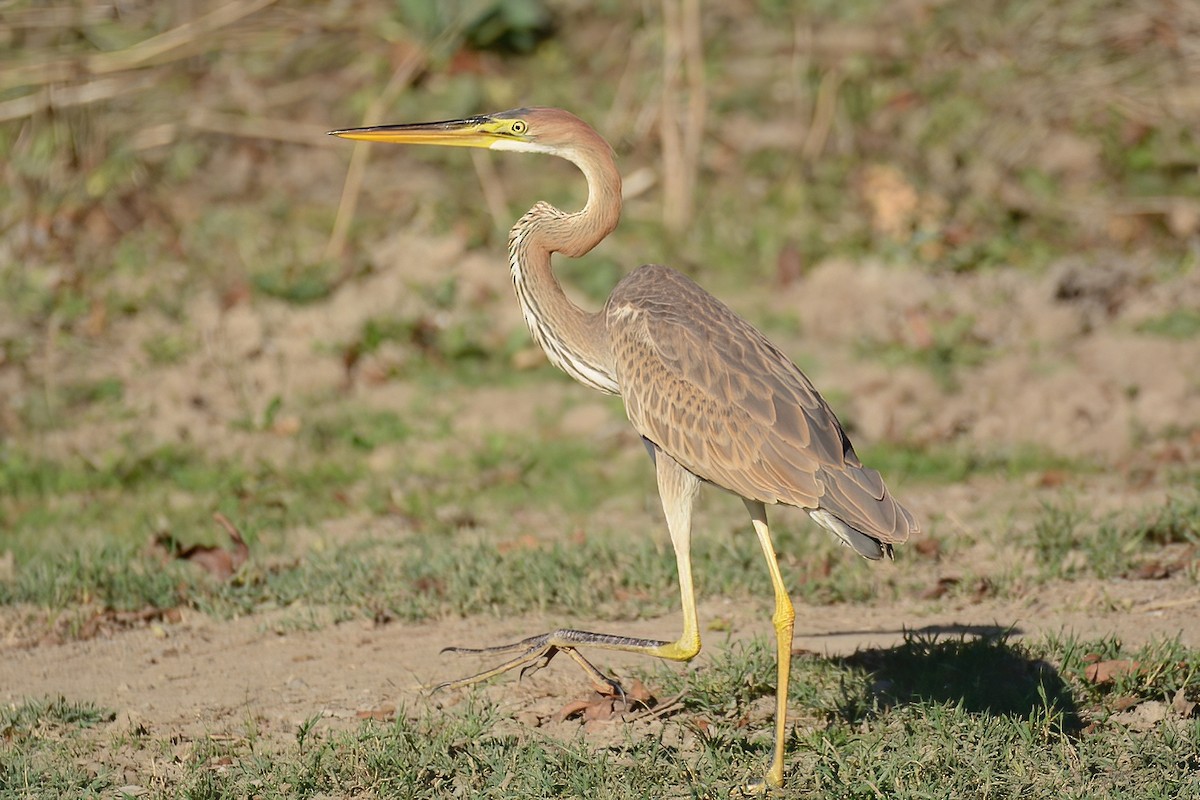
{"x": 52, "y": 97}
{"x": 167, "y": 46}
{"x": 659, "y": 710}
{"x": 277, "y": 130}
{"x": 493, "y": 189}
{"x": 150, "y": 50}
{"x": 617, "y": 121}
{"x": 400, "y": 79}
{"x": 55, "y": 17}
{"x": 229, "y": 527}
{"x": 681, "y": 131}
{"x": 822, "y": 122}
{"x": 1166, "y": 604}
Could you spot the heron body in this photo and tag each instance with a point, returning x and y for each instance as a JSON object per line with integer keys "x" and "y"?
{"x": 712, "y": 397}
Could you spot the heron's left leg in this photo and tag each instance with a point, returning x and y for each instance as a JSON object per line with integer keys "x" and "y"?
{"x": 784, "y": 620}
{"x": 677, "y": 488}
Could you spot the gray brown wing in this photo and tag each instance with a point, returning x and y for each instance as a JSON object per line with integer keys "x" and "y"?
{"x": 713, "y": 393}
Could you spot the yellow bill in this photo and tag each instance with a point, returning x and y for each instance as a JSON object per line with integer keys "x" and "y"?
{"x": 486, "y": 132}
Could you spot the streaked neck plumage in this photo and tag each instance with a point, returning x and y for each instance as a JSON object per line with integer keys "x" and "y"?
{"x": 573, "y": 339}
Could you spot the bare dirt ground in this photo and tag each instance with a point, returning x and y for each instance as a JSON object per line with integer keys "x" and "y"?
{"x": 1061, "y": 380}
{"x": 201, "y": 677}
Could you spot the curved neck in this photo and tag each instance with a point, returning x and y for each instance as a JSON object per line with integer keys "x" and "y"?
{"x": 573, "y": 339}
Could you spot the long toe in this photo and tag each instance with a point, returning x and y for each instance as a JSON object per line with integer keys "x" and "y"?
{"x": 528, "y": 644}
{"x": 531, "y": 654}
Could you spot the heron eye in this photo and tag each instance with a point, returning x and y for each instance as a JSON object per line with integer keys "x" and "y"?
{"x": 518, "y": 126}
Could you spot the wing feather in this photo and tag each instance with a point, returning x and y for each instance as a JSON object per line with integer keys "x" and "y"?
{"x": 717, "y": 396}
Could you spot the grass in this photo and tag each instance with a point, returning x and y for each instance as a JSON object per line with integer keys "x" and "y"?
{"x": 953, "y": 347}
{"x": 510, "y": 526}
{"x": 906, "y": 463}
{"x": 123, "y": 500}
{"x": 1070, "y": 543}
{"x": 955, "y": 717}
{"x": 45, "y": 740}
{"x": 1182, "y": 323}
{"x": 446, "y": 571}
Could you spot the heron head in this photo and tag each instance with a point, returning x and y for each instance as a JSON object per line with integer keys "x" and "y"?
{"x": 531, "y": 130}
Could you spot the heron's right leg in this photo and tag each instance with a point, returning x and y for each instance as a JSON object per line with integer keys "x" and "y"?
{"x": 677, "y": 488}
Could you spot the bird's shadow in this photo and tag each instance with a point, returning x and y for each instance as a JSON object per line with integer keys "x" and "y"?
{"x": 976, "y": 668}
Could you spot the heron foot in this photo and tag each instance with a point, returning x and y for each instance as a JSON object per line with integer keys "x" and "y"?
{"x": 758, "y": 788}
{"x": 535, "y": 652}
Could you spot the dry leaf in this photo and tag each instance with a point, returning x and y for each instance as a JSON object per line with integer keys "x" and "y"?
{"x": 1182, "y": 706}
{"x": 891, "y": 198}
{"x": 920, "y": 329}
{"x": 598, "y": 707}
{"x": 109, "y": 620}
{"x": 789, "y": 264}
{"x": 1052, "y": 479}
{"x": 1102, "y": 672}
{"x": 982, "y": 588}
{"x": 1122, "y": 703}
{"x": 939, "y": 589}
{"x": 928, "y": 548}
{"x": 1151, "y": 571}
{"x": 638, "y": 694}
{"x": 526, "y": 541}
{"x": 384, "y": 713}
{"x": 288, "y": 425}
{"x": 217, "y": 561}
{"x": 602, "y": 707}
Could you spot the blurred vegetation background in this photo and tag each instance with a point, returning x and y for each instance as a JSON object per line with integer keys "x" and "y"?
{"x": 160, "y": 158}
{"x": 182, "y": 141}
{"x": 979, "y": 222}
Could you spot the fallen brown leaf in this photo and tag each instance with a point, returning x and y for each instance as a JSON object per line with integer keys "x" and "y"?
{"x": 219, "y": 562}
{"x": 789, "y": 264}
{"x": 928, "y": 548}
{"x": 1124, "y": 702}
{"x": 598, "y": 707}
{"x": 525, "y": 541}
{"x": 602, "y": 707}
{"x": 1151, "y": 571}
{"x": 637, "y": 693}
{"x": 1184, "y": 707}
{"x": 939, "y": 589}
{"x": 920, "y": 329}
{"x": 1102, "y": 672}
{"x": 110, "y": 620}
{"x": 1052, "y": 479}
{"x": 384, "y": 713}
{"x": 982, "y": 588}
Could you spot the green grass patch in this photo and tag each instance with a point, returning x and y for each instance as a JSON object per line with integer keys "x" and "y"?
{"x": 950, "y": 464}
{"x": 953, "y": 347}
{"x": 447, "y": 347}
{"x": 300, "y": 284}
{"x": 1072, "y": 543}
{"x": 363, "y": 430}
{"x": 612, "y": 575}
{"x": 1182, "y": 323}
{"x": 79, "y": 530}
{"x": 45, "y": 747}
{"x": 960, "y": 716}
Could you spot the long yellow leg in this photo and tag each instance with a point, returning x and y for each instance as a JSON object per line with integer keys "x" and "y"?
{"x": 784, "y": 619}
{"x": 677, "y": 488}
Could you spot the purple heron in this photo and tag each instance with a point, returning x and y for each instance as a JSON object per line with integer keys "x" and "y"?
{"x": 713, "y": 399}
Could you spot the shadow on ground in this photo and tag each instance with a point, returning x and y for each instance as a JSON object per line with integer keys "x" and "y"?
{"x": 975, "y": 667}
